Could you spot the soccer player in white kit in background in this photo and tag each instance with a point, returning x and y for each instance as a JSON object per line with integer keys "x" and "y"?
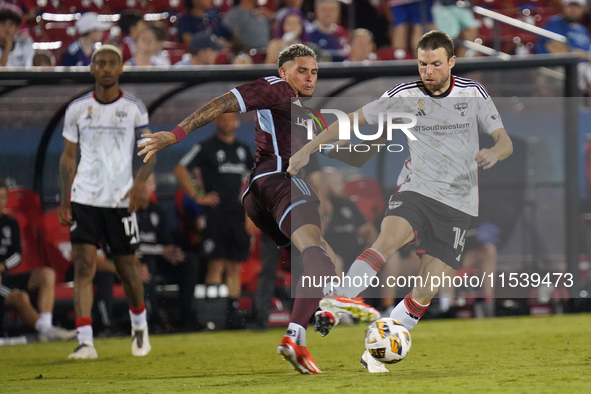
{"x": 104, "y": 195}
{"x": 440, "y": 195}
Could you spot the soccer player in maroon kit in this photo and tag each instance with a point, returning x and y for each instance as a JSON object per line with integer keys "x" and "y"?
{"x": 284, "y": 207}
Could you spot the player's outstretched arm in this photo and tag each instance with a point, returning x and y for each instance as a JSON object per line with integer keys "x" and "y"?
{"x": 67, "y": 173}
{"x": 326, "y": 138}
{"x": 204, "y": 115}
{"x": 502, "y": 149}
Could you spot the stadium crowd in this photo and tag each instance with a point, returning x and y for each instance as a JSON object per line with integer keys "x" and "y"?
{"x": 197, "y": 32}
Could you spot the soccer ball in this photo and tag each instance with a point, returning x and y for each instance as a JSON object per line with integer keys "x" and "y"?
{"x": 387, "y": 341}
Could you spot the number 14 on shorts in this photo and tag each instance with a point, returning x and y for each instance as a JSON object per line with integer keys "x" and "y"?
{"x": 460, "y": 238}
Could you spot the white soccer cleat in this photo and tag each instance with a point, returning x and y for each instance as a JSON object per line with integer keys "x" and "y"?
{"x": 57, "y": 334}
{"x": 140, "y": 343}
{"x": 352, "y": 306}
{"x": 84, "y": 352}
{"x": 372, "y": 365}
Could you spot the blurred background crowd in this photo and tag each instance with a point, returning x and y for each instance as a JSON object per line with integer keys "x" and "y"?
{"x": 198, "y": 32}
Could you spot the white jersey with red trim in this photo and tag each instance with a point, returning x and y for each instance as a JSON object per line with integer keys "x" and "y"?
{"x": 106, "y": 134}
{"x": 442, "y": 164}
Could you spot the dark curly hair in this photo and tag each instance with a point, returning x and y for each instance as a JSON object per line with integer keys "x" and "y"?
{"x": 294, "y": 51}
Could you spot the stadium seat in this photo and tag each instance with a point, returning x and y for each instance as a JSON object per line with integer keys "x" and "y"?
{"x": 57, "y": 249}
{"x": 367, "y": 194}
{"x": 25, "y": 201}
{"x": 25, "y": 206}
{"x": 52, "y": 7}
{"x": 388, "y": 54}
{"x": 116, "y": 6}
{"x": 174, "y": 6}
{"x": 385, "y": 54}
{"x": 258, "y": 57}
{"x": 72, "y": 6}
{"x": 175, "y": 51}
{"x": 251, "y": 268}
{"x": 61, "y": 31}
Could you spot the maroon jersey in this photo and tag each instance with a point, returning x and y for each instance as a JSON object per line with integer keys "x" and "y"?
{"x": 280, "y": 126}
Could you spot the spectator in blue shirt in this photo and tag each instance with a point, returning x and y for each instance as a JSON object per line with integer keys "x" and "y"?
{"x": 91, "y": 32}
{"x": 204, "y": 50}
{"x": 201, "y": 16}
{"x": 578, "y": 39}
{"x": 326, "y": 33}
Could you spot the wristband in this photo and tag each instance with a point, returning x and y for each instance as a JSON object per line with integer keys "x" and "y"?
{"x": 179, "y": 133}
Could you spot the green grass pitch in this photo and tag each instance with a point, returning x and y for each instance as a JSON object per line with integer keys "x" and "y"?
{"x": 510, "y": 355}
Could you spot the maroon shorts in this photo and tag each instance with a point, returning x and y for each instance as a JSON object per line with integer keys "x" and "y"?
{"x": 279, "y": 204}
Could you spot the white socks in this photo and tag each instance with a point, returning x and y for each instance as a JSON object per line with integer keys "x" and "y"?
{"x": 365, "y": 267}
{"x": 408, "y": 312}
{"x": 138, "y": 321}
{"x": 84, "y": 335}
{"x": 297, "y": 333}
{"x": 44, "y": 325}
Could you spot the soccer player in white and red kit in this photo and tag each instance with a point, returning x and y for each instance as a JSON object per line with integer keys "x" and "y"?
{"x": 439, "y": 196}
{"x": 104, "y": 196}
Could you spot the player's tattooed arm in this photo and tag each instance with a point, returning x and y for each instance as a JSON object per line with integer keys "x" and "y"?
{"x": 219, "y": 105}
{"x": 67, "y": 172}
{"x": 204, "y": 115}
